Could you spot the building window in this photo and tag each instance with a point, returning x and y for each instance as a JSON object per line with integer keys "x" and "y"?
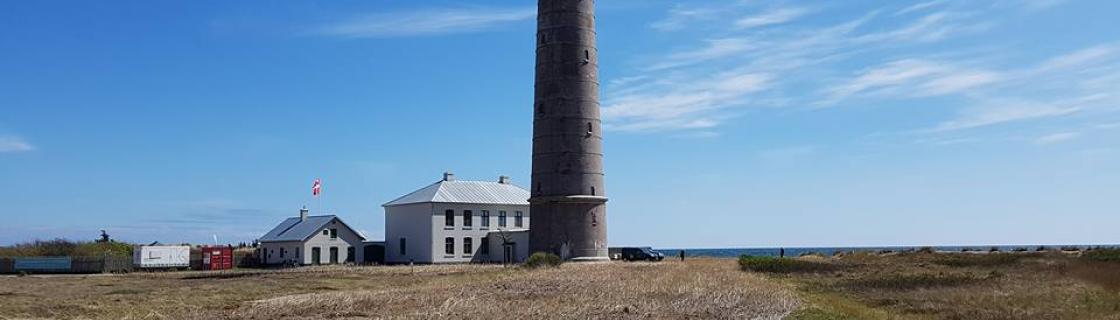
{"x": 501, "y": 218}
{"x": 468, "y": 216}
{"x": 468, "y": 246}
{"x": 324, "y": 232}
{"x": 517, "y": 221}
{"x": 403, "y": 246}
{"x": 281, "y": 252}
{"x": 484, "y": 246}
{"x": 449, "y": 218}
{"x": 297, "y": 252}
{"x": 334, "y": 233}
{"x": 449, "y": 245}
{"x": 485, "y": 218}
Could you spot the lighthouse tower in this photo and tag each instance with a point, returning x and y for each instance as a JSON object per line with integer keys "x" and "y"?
{"x": 568, "y": 201}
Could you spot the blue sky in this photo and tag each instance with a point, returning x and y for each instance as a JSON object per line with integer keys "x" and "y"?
{"x": 730, "y": 123}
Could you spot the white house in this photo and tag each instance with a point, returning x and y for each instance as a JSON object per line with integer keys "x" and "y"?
{"x": 310, "y": 240}
{"x": 453, "y": 221}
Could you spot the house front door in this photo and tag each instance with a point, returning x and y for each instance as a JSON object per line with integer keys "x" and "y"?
{"x": 315, "y": 253}
{"x": 334, "y": 255}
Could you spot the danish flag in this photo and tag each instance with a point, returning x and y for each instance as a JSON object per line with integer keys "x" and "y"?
{"x": 316, "y": 188}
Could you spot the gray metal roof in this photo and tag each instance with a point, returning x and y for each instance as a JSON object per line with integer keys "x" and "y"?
{"x": 292, "y": 229}
{"x": 476, "y": 192}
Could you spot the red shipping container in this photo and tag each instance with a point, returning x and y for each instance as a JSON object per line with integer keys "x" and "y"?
{"x": 217, "y": 258}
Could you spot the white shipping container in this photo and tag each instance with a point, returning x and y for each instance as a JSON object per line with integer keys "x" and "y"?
{"x": 162, "y": 257}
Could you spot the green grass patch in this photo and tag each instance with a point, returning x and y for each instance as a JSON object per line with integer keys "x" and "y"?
{"x": 784, "y": 265}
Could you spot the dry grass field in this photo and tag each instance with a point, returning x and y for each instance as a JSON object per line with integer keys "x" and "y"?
{"x": 1047, "y": 285}
{"x": 696, "y": 289}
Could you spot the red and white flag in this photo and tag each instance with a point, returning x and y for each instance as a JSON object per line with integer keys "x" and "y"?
{"x": 316, "y": 188}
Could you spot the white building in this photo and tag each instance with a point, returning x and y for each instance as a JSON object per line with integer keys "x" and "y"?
{"x": 454, "y": 221}
{"x": 310, "y": 240}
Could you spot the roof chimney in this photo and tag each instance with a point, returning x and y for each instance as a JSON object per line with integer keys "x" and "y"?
{"x": 303, "y": 214}
{"x": 503, "y": 179}
{"x": 448, "y": 176}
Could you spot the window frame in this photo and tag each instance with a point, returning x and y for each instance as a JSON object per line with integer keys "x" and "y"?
{"x": 468, "y": 246}
{"x": 449, "y": 246}
{"x": 485, "y": 218}
{"x": 518, "y": 219}
{"x": 468, "y": 218}
{"x": 449, "y": 218}
{"x": 501, "y": 218}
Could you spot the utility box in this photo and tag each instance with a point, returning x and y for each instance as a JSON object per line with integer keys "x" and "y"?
{"x": 217, "y": 258}
{"x": 154, "y": 257}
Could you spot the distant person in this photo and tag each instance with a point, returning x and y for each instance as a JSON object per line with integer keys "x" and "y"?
{"x": 781, "y": 252}
{"x": 682, "y": 255}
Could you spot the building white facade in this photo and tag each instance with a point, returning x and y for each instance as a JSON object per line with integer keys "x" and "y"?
{"x": 454, "y": 221}
{"x": 311, "y": 240}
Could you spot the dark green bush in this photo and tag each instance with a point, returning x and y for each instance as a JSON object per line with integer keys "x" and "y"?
{"x": 62, "y": 247}
{"x": 783, "y": 265}
{"x": 1104, "y": 255}
{"x": 543, "y": 259}
{"x": 982, "y": 260}
{"x": 911, "y": 281}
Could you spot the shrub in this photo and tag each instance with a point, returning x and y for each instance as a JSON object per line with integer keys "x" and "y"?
{"x": 783, "y": 265}
{"x": 911, "y": 281}
{"x": 982, "y": 260}
{"x": 63, "y": 247}
{"x": 1103, "y": 255}
{"x": 543, "y": 259}
{"x": 927, "y": 250}
{"x": 994, "y": 249}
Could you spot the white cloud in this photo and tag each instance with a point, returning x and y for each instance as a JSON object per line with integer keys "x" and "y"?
{"x": 912, "y": 78}
{"x": 680, "y": 16}
{"x": 1056, "y": 138}
{"x": 716, "y": 48}
{"x": 998, "y": 112}
{"x": 772, "y": 17}
{"x": 681, "y": 105}
{"x": 10, "y": 143}
{"x": 920, "y": 6}
{"x": 426, "y": 22}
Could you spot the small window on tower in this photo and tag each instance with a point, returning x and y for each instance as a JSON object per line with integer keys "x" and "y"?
{"x": 586, "y": 56}
{"x": 592, "y": 190}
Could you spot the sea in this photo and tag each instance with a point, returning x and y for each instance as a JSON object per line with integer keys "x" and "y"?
{"x": 828, "y": 251}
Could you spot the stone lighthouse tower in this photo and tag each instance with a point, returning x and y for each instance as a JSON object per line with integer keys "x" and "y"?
{"x": 568, "y": 200}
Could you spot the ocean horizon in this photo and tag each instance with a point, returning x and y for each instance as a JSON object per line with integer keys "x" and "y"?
{"x": 828, "y": 251}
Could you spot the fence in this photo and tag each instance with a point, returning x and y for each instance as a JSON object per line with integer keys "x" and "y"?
{"x": 106, "y": 264}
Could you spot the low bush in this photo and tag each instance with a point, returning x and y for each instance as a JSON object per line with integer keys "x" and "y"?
{"x": 543, "y": 259}
{"x": 1103, "y": 255}
{"x": 982, "y": 260}
{"x": 911, "y": 281}
{"x": 63, "y": 247}
{"x": 783, "y": 265}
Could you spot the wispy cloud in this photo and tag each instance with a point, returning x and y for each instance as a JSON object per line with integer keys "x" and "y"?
{"x": 1055, "y": 138}
{"x": 434, "y": 21}
{"x": 771, "y": 17}
{"x": 912, "y": 77}
{"x": 10, "y": 143}
{"x": 999, "y": 112}
{"x": 681, "y": 105}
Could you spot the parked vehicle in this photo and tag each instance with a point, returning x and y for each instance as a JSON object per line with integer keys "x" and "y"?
{"x": 635, "y": 254}
{"x": 155, "y": 257}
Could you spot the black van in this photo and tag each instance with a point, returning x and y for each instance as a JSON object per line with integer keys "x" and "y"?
{"x": 635, "y": 254}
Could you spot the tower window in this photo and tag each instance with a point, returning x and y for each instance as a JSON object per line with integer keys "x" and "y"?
{"x": 592, "y": 190}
